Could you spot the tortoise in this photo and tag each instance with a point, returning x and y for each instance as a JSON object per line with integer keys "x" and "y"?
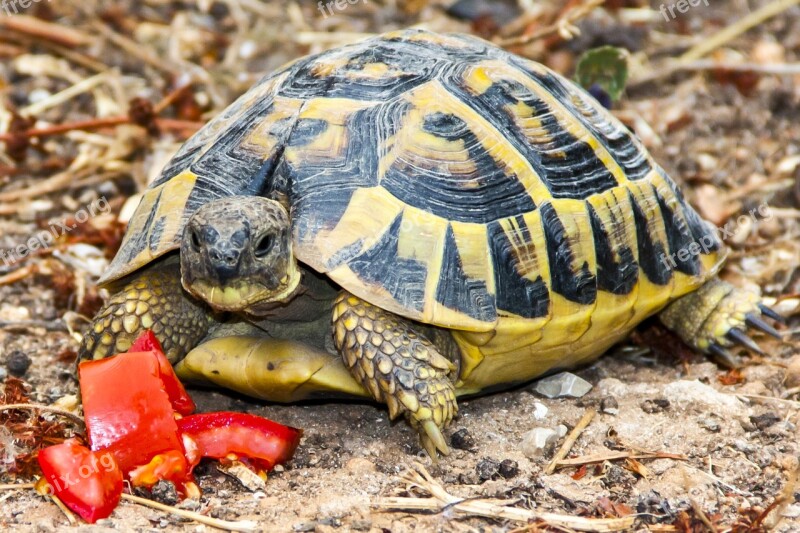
{"x": 413, "y": 218}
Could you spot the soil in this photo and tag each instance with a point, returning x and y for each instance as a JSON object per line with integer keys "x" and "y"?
{"x": 730, "y": 138}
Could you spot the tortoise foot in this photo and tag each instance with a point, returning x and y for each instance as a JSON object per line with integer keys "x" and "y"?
{"x": 717, "y": 317}
{"x": 398, "y": 366}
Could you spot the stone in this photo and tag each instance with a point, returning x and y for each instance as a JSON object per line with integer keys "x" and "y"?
{"x": 538, "y": 441}
{"x": 710, "y": 423}
{"x": 18, "y": 363}
{"x": 539, "y": 411}
{"x": 609, "y": 406}
{"x": 764, "y": 421}
{"x": 359, "y": 465}
{"x": 462, "y": 440}
{"x": 561, "y": 385}
{"x": 655, "y": 405}
{"x": 164, "y": 492}
{"x": 487, "y": 469}
{"x": 697, "y": 396}
{"x": 508, "y": 468}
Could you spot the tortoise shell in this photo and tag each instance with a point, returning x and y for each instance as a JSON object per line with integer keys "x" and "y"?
{"x": 443, "y": 179}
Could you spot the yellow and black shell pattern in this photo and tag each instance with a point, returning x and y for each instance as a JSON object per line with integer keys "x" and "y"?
{"x": 443, "y": 179}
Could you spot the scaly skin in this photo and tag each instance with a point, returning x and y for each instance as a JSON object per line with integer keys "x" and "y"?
{"x": 399, "y": 367}
{"x": 715, "y": 317}
{"x": 152, "y": 299}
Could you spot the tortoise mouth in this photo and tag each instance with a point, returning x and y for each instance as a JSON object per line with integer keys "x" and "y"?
{"x": 242, "y": 295}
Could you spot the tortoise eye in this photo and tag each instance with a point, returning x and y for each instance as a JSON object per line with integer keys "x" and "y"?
{"x": 195, "y": 240}
{"x": 264, "y": 245}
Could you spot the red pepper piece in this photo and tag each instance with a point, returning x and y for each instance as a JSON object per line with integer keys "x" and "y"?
{"x": 181, "y": 401}
{"x": 146, "y": 342}
{"x": 127, "y": 409}
{"x": 89, "y": 483}
{"x": 223, "y": 433}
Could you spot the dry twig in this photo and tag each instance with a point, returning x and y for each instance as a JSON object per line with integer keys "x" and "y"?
{"x": 42, "y": 407}
{"x": 241, "y": 525}
{"x": 564, "y": 26}
{"x": 600, "y": 458}
{"x": 48, "y": 31}
{"x": 573, "y": 436}
{"x": 439, "y": 500}
{"x": 729, "y": 33}
{"x": 227, "y": 525}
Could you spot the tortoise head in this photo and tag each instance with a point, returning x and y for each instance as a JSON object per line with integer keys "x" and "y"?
{"x": 236, "y": 254}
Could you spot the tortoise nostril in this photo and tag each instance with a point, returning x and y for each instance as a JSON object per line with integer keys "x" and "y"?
{"x": 224, "y": 257}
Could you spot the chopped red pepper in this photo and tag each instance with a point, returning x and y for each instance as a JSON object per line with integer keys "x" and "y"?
{"x": 146, "y": 342}
{"x": 130, "y": 402}
{"x": 127, "y": 409}
{"x": 89, "y": 483}
{"x": 220, "y": 434}
{"x": 181, "y": 401}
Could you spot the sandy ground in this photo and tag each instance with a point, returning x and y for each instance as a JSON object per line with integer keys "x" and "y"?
{"x": 730, "y": 139}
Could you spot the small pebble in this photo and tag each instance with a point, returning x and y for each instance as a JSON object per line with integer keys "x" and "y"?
{"x": 359, "y": 465}
{"x": 609, "y": 406}
{"x": 764, "y": 421}
{"x": 508, "y": 468}
{"x": 710, "y": 423}
{"x": 37, "y": 95}
{"x": 618, "y": 476}
{"x": 462, "y": 440}
{"x": 538, "y": 441}
{"x": 361, "y": 524}
{"x": 563, "y": 384}
{"x": 562, "y": 430}
{"x": 653, "y": 503}
{"x": 190, "y": 504}
{"x": 655, "y": 405}
{"x": 18, "y": 363}
{"x": 539, "y": 411}
{"x": 487, "y": 469}
{"x": 164, "y": 492}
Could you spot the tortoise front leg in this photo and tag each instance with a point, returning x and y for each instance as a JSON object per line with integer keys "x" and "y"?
{"x": 153, "y": 299}
{"x": 398, "y": 366}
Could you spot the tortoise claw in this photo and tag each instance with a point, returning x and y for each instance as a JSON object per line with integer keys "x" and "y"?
{"x": 771, "y": 313}
{"x": 737, "y": 335}
{"x": 723, "y": 357}
{"x": 432, "y": 438}
{"x": 755, "y": 322}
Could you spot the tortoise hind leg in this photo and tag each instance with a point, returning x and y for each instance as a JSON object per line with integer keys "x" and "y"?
{"x": 153, "y": 299}
{"x": 716, "y": 316}
{"x": 399, "y": 366}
